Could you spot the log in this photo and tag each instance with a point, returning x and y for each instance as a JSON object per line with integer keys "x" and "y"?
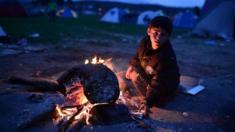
{"x": 77, "y": 125}
{"x": 64, "y": 126}
{"x": 41, "y": 83}
{"x": 99, "y": 82}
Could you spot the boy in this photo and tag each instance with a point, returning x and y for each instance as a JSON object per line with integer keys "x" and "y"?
{"x": 153, "y": 70}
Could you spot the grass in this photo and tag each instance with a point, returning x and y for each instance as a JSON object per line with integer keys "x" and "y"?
{"x": 54, "y": 31}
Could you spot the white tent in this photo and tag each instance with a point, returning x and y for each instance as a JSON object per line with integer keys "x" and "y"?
{"x": 219, "y": 23}
{"x": 113, "y": 15}
{"x": 146, "y": 16}
{"x": 2, "y": 32}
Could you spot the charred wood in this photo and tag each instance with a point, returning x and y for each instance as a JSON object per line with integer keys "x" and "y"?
{"x": 77, "y": 125}
{"x": 65, "y": 125}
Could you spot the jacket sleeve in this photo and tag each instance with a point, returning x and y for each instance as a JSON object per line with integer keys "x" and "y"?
{"x": 135, "y": 61}
{"x": 153, "y": 87}
{"x": 161, "y": 75}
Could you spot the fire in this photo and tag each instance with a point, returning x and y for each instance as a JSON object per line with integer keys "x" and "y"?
{"x": 106, "y": 62}
{"x": 95, "y": 60}
{"x": 75, "y": 108}
{"x": 65, "y": 113}
{"x": 74, "y": 113}
{"x": 81, "y": 107}
{"x": 80, "y": 97}
{"x": 85, "y": 113}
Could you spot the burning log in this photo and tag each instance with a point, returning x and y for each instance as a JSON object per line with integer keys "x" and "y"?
{"x": 63, "y": 126}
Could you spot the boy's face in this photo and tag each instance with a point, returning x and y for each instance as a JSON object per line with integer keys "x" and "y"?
{"x": 157, "y": 36}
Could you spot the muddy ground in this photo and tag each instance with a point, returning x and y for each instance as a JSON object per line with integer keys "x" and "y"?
{"x": 213, "y": 61}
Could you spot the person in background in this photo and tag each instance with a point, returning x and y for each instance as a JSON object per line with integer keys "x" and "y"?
{"x": 52, "y": 7}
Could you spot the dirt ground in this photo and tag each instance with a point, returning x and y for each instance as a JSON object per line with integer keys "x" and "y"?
{"x": 213, "y": 61}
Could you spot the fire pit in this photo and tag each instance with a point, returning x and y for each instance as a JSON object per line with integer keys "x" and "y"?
{"x": 92, "y": 97}
{"x": 92, "y": 90}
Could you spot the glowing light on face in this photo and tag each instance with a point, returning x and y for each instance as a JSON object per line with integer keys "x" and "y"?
{"x": 157, "y": 36}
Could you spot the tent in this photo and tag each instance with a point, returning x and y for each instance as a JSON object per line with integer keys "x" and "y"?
{"x": 185, "y": 19}
{"x": 4, "y": 38}
{"x": 113, "y": 15}
{"x": 12, "y": 8}
{"x": 66, "y": 13}
{"x": 209, "y": 5}
{"x": 218, "y": 23}
{"x": 2, "y": 32}
{"x": 146, "y": 16}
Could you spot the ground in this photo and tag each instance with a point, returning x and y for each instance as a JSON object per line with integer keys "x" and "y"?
{"x": 213, "y": 61}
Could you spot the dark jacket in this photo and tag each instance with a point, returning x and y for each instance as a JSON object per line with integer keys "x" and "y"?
{"x": 160, "y": 70}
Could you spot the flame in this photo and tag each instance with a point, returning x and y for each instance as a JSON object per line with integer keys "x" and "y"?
{"x": 101, "y": 60}
{"x": 64, "y": 114}
{"x": 134, "y": 104}
{"x": 95, "y": 60}
{"x": 85, "y": 113}
{"x": 59, "y": 111}
{"x": 86, "y": 61}
{"x": 81, "y": 98}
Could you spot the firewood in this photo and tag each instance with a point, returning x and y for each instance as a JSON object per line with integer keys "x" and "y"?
{"x": 77, "y": 125}
{"x": 65, "y": 125}
{"x": 41, "y": 83}
{"x": 99, "y": 82}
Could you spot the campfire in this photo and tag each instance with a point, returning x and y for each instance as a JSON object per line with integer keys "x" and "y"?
{"x": 93, "y": 97}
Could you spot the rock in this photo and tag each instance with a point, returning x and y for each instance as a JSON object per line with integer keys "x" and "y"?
{"x": 7, "y": 52}
{"x": 34, "y": 49}
{"x": 185, "y": 114}
{"x": 99, "y": 82}
{"x": 109, "y": 114}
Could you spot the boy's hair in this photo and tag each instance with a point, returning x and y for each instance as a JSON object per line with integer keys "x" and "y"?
{"x": 162, "y": 22}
